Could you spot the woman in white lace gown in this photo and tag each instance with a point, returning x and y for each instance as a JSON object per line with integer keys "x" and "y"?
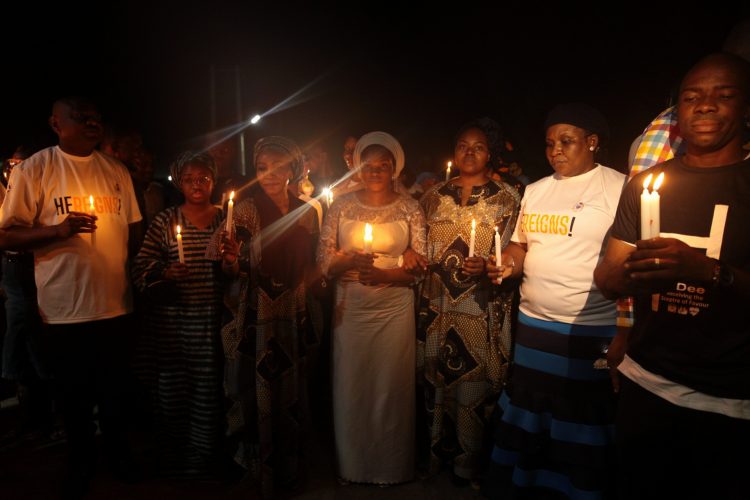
{"x": 373, "y": 322}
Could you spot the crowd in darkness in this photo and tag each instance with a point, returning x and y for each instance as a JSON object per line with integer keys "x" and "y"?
{"x": 546, "y": 339}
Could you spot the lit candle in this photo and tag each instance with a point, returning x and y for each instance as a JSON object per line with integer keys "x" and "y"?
{"x": 448, "y": 171}
{"x": 327, "y": 195}
{"x": 655, "y": 209}
{"x": 92, "y": 211}
{"x": 180, "y": 250}
{"x": 230, "y": 210}
{"x": 650, "y": 209}
{"x": 498, "y": 256}
{"x": 472, "y": 237}
{"x": 368, "y": 238}
{"x": 330, "y": 197}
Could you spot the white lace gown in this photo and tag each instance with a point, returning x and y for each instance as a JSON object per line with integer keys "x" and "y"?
{"x": 374, "y": 341}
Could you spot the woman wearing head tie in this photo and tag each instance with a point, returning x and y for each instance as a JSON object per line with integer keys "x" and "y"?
{"x": 363, "y": 237}
{"x": 268, "y": 345}
{"x": 180, "y": 355}
{"x": 463, "y": 336}
{"x": 554, "y": 431}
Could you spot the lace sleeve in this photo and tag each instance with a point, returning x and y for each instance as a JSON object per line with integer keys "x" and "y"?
{"x": 328, "y": 243}
{"x": 417, "y": 230}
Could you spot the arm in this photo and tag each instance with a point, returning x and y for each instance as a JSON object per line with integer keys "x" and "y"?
{"x": 28, "y": 238}
{"x": 331, "y": 261}
{"x": 659, "y": 262}
{"x": 610, "y": 274}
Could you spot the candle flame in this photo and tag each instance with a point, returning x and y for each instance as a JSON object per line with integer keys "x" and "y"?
{"x": 473, "y": 224}
{"x": 179, "y": 229}
{"x": 659, "y": 180}
{"x": 647, "y": 181}
{"x": 450, "y": 164}
{"x": 495, "y": 228}
{"x": 91, "y": 201}
{"x": 231, "y": 196}
{"x": 368, "y": 232}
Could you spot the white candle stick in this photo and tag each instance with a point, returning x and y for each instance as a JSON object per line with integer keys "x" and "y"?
{"x": 650, "y": 208}
{"x": 92, "y": 211}
{"x": 448, "y": 171}
{"x": 230, "y": 211}
{"x": 655, "y": 208}
{"x": 646, "y": 209}
{"x": 180, "y": 250}
{"x": 472, "y": 237}
{"x": 368, "y": 238}
{"x": 498, "y": 254}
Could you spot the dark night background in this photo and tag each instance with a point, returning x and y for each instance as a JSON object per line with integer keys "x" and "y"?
{"x": 417, "y": 75}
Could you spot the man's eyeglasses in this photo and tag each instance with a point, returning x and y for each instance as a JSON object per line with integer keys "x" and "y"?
{"x": 192, "y": 181}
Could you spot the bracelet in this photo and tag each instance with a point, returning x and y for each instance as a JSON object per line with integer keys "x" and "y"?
{"x": 717, "y": 274}
{"x": 723, "y": 276}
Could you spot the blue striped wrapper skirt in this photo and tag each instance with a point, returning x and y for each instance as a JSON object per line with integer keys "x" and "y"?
{"x": 554, "y": 422}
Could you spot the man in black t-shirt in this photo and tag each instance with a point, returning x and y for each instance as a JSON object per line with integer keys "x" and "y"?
{"x": 683, "y": 421}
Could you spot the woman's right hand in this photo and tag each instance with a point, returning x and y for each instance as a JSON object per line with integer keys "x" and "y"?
{"x": 176, "y": 271}
{"x": 413, "y": 262}
{"x": 229, "y": 249}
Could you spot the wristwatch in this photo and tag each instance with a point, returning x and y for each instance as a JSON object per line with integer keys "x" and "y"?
{"x": 723, "y": 275}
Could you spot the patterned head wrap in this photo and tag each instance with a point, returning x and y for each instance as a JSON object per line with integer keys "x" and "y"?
{"x": 381, "y": 139}
{"x": 284, "y": 145}
{"x": 579, "y": 115}
{"x": 188, "y": 158}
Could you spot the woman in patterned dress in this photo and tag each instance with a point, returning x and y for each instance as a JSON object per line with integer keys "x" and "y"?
{"x": 463, "y": 330}
{"x": 180, "y": 352}
{"x": 270, "y": 342}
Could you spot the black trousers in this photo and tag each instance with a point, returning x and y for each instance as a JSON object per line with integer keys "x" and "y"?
{"x": 667, "y": 451}
{"x": 91, "y": 363}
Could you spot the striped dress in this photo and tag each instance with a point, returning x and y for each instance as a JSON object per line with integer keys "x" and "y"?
{"x": 180, "y": 350}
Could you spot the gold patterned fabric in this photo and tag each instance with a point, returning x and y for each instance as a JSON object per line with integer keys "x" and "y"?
{"x": 463, "y": 332}
{"x": 269, "y": 341}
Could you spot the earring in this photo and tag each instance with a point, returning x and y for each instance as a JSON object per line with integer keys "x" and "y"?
{"x": 591, "y": 148}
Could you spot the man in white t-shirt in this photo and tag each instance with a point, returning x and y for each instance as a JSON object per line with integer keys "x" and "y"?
{"x": 75, "y": 208}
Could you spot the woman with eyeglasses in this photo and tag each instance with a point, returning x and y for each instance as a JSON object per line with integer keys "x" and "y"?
{"x": 463, "y": 336}
{"x": 180, "y": 352}
{"x": 271, "y": 343}
{"x": 361, "y": 242}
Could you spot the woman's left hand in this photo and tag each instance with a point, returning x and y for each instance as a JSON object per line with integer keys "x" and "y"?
{"x": 473, "y": 266}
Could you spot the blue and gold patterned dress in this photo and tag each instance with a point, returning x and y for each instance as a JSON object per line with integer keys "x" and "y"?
{"x": 463, "y": 334}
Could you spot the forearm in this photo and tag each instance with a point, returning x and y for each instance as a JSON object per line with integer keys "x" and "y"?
{"x": 19, "y": 238}
{"x": 518, "y": 252}
{"x": 396, "y": 276}
{"x": 339, "y": 265}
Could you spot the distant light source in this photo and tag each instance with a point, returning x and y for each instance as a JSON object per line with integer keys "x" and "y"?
{"x": 169, "y": 178}
{"x": 255, "y": 119}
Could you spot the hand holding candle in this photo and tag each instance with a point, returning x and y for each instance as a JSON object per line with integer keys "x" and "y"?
{"x": 180, "y": 250}
{"x": 472, "y": 237}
